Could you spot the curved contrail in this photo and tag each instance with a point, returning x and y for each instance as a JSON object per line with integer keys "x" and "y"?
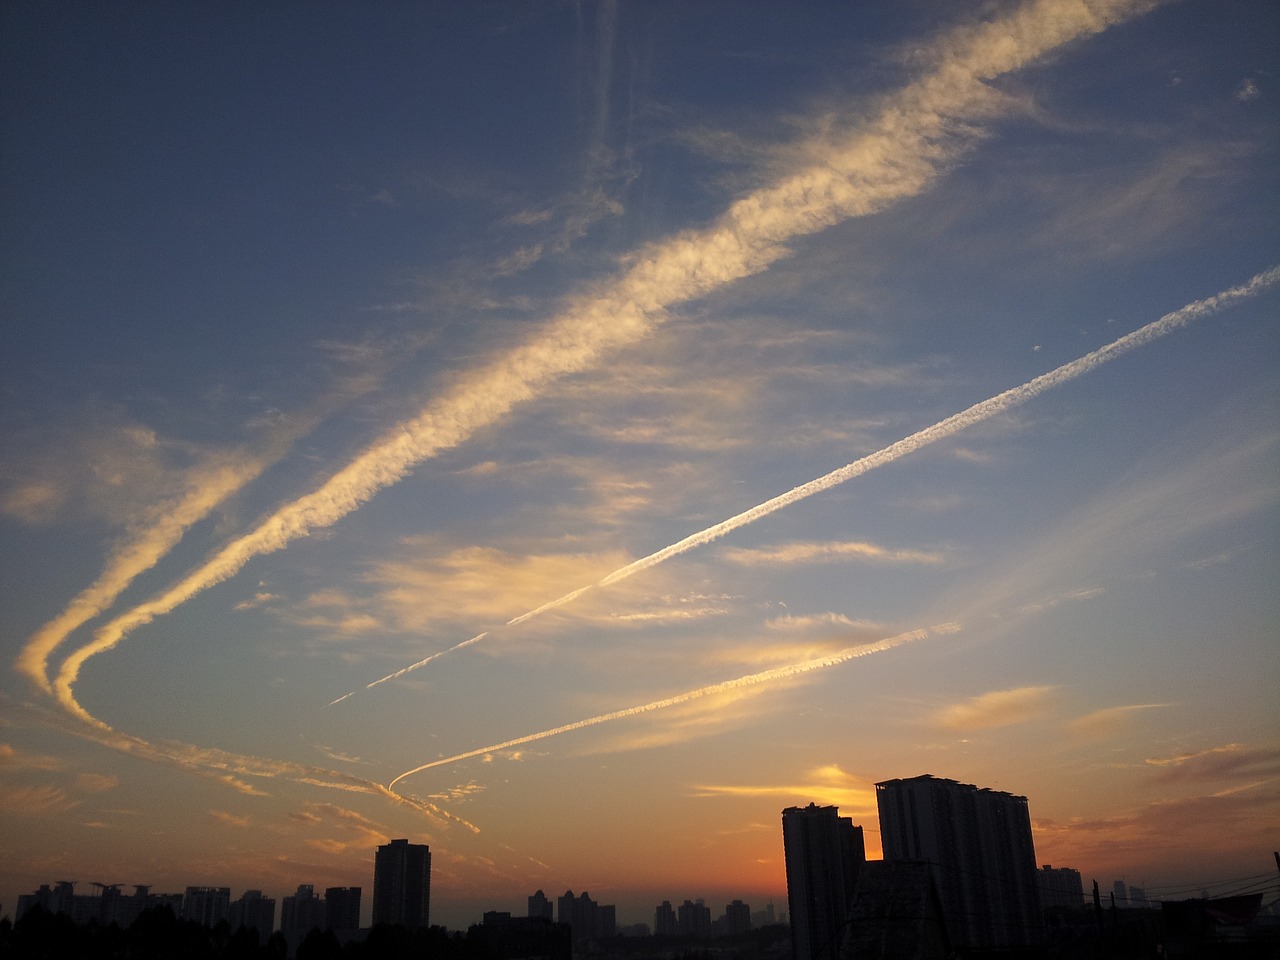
{"x": 918, "y": 133}
{"x": 952, "y": 425}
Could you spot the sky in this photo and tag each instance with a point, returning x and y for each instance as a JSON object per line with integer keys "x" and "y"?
{"x": 567, "y": 434}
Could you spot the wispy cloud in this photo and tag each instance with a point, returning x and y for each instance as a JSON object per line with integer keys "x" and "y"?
{"x": 918, "y": 133}
{"x": 35, "y": 801}
{"x": 230, "y": 819}
{"x": 731, "y": 688}
{"x": 826, "y": 552}
{"x": 827, "y": 785}
{"x": 996, "y": 708}
{"x": 1109, "y": 721}
{"x": 1231, "y": 761}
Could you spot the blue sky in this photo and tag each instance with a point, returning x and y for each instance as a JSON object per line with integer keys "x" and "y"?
{"x": 337, "y": 336}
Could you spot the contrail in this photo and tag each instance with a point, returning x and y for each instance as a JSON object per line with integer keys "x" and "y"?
{"x": 785, "y": 672}
{"x": 206, "y": 489}
{"x": 919, "y": 132}
{"x": 939, "y": 431}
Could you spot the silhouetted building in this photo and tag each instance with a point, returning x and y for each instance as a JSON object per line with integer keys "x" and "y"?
{"x": 979, "y": 843}
{"x": 505, "y": 937}
{"x": 693, "y": 919}
{"x": 300, "y": 914}
{"x": 540, "y": 907}
{"x": 587, "y": 919}
{"x": 1060, "y": 887}
{"x": 664, "y": 920}
{"x": 896, "y": 914}
{"x": 824, "y": 853}
{"x": 402, "y": 884}
{"x": 737, "y": 918}
{"x": 207, "y": 905}
{"x": 342, "y": 909}
{"x": 254, "y": 911}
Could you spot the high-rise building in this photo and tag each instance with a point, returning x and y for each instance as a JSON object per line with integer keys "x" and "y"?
{"x": 664, "y": 920}
{"x": 693, "y": 919}
{"x": 979, "y": 844}
{"x": 540, "y": 907}
{"x": 206, "y": 905}
{"x": 737, "y": 918}
{"x": 402, "y": 884}
{"x": 300, "y": 914}
{"x": 585, "y": 917}
{"x": 254, "y": 911}
{"x": 824, "y": 852}
{"x": 342, "y": 908}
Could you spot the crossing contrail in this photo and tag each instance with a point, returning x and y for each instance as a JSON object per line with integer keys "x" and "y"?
{"x": 952, "y": 425}
{"x": 784, "y": 672}
{"x": 919, "y": 132}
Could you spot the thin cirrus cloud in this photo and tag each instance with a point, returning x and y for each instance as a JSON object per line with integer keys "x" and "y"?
{"x": 1109, "y": 721}
{"x": 825, "y": 785}
{"x": 1230, "y": 761}
{"x": 826, "y": 552}
{"x": 943, "y": 429}
{"x": 996, "y": 708}
{"x": 919, "y": 132}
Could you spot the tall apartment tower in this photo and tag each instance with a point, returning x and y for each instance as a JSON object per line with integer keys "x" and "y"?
{"x": 824, "y": 853}
{"x": 540, "y": 907}
{"x": 979, "y": 844}
{"x": 402, "y": 884}
{"x": 342, "y": 908}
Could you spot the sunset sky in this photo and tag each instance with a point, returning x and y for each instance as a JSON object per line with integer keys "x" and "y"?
{"x": 337, "y": 336}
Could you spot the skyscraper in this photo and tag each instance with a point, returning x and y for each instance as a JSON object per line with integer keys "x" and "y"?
{"x": 824, "y": 852}
{"x": 540, "y": 906}
{"x": 402, "y": 884}
{"x": 979, "y": 844}
{"x": 342, "y": 908}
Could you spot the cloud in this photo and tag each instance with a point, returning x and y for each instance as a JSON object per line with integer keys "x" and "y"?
{"x": 1232, "y": 761}
{"x": 827, "y": 785}
{"x": 775, "y": 676}
{"x": 825, "y": 552}
{"x": 1216, "y": 832}
{"x": 1248, "y": 91}
{"x": 96, "y": 782}
{"x": 35, "y": 801}
{"x": 997, "y": 708}
{"x": 916, "y": 135}
{"x": 11, "y": 758}
{"x": 1109, "y": 721}
{"x": 229, "y": 819}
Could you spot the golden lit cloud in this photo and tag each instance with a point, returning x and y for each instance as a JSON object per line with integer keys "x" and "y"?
{"x": 229, "y": 819}
{"x": 828, "y": 785}
{"x": 1231, "y": 761}
{"x": 1110, "y": 720}
{"x": 35, "y": 801}
{"x": 826, "y": 552}
{"x": 997, "y": 708}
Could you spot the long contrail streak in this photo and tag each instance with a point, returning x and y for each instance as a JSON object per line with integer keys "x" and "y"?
{"x": 773, "y": 675}
{"x": 952, "y": 425}
{"x": 919, "y": 132}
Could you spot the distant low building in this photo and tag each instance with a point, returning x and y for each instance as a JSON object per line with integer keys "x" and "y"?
{"x": 505, "y": 937}
{"x": 896, "y": 915}
{"x": 1060, "y": 887}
